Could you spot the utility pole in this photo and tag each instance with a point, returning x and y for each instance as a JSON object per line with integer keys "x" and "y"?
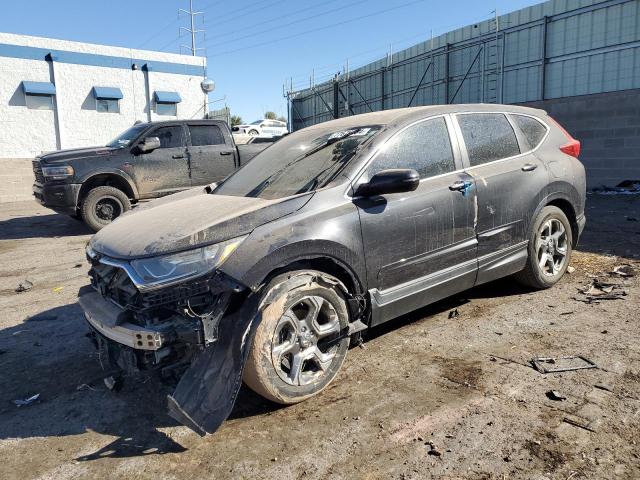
{"x": 192, "y": 31}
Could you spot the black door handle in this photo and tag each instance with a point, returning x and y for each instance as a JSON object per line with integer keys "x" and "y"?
{"x": 226, "y": 153}
{"x": 178, "y": 155}
{"x": 529, "y": 167}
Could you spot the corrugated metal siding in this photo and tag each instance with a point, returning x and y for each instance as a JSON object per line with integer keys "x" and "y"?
{"x": 555, "y": 49}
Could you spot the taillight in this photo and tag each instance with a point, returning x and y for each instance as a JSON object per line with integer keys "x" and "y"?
{"x": 573, "y": 147}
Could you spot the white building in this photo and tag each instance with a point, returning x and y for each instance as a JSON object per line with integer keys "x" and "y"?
{"x": 57, "y": 94}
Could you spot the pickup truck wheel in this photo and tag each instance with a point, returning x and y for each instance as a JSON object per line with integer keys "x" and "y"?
{"x": 102, "y": 205}
{"x": 300, "y": 344}
{"x": 549, "y": 249}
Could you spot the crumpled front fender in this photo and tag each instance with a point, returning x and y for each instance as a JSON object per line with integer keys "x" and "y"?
{"x": 207, "y": 391}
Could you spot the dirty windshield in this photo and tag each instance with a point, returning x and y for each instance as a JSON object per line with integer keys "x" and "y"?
{"x": 127, "y": 136}
{"x": 299, "y": 163}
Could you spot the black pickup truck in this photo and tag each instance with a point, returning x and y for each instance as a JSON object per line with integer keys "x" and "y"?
{"x": 148, "y": 160}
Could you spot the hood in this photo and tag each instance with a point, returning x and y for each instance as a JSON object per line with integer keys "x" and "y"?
{"x": 74, "y": 153}
{"x": 188, "y": 222}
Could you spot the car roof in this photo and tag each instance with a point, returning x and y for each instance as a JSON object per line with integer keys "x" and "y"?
{"x": 407, "y": 115}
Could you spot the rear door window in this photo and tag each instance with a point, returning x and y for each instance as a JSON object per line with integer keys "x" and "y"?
{"x": 205, "y": 135}
{"x": 532, "y": 129}
{"x": 488, "y": 137}
{"x": 424, "y": 147}
{"x": 170, "y": 137}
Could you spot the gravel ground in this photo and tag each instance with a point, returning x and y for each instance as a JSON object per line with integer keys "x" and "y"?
{"x": 427, "y": 397}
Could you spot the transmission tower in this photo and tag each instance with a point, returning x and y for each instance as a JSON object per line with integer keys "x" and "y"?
{"x": 192, "y": 30}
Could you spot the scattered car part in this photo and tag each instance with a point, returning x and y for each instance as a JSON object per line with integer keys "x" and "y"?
{"x": 555, "y": 396}
{"x": 26, "y": 401}
{"x": 561, "y": 364}
{"x": 624, "y": 271}
{"x": 24, "y": 286}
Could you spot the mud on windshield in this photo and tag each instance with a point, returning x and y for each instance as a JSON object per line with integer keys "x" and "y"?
{"x": 301, "y": 162}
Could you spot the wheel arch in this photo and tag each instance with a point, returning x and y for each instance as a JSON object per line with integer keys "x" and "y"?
{"x": 563, "y": 202}
{"x": 115, "y": 179}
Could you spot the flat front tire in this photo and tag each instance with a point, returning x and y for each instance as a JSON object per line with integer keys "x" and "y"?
{"x": 102, "y": 205}
{"x": 549, "y": 249}
{"x": 300, "y": 344}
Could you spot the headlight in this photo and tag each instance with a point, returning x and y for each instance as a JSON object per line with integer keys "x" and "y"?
{"x": 58, "y": 173}
{"x": 157, "y": 271}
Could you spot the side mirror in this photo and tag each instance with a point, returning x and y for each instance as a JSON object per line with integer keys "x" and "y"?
{"x": 390, "y": 181}
{"x": 148, "y": 144}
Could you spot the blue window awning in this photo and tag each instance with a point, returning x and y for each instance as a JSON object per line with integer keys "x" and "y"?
{"x": 107, "y": 93}
{"x": 39, "y": 88}
{"x": 167, "y": 97}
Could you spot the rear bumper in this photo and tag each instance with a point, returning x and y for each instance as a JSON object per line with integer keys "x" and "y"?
{"x": 61, "y": 198}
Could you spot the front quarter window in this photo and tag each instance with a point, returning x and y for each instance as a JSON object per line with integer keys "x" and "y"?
{"x": 298, "y": 163}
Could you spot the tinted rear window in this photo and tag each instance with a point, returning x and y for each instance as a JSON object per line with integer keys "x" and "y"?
{"x": 533, "y": 130}
{"x": 205, "y": 135}
{"x": 488, "y": 137}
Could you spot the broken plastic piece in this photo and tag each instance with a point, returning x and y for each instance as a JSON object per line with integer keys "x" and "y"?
{"x": 555, "y": 395}
{"x": 24, "y": 286}
{"x": 27, "y": 401}
{"x": 624, "y": 271}
{"x": 561, "y": 364}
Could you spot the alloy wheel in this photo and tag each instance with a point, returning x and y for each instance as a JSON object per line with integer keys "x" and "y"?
{"x": 302, "y": 350}
{"x": 552, "y": 247}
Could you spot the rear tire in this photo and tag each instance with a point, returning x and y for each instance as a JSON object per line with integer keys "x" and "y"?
{"x": 297, "y": 350}
{"x": 102, "y": 205}
{"x": 549, "y": 249}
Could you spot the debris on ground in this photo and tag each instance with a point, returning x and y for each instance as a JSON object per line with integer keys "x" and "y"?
{"x": 77, "y": 265}
{"x": 555, "y": 396}
{"x": 624, "y": 271}
{"x": 433, "y": 450}
{"x": 628, "y": 187}
{"x": 571, "y": 269}
{"x": 24, "y": 286}
{"x": 57, "y": 289}
{"x": 85, "y": 386}
{"x": 113, "y": 383}
{"x": 26, "y": 401}
{"x": 454, "y": 313}
{"x": 561, "y": 364}
{"x": 602, "y": 386}
{"x": 598, "y": 290}
{"x": 578, "y": 424}
{"x": 570, "y": 312}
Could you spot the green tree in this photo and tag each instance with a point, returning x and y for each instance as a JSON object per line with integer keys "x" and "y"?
{"x": 236, "y": 120}
{"x": 282, "y": 119}
{"x": 270, "y": 115}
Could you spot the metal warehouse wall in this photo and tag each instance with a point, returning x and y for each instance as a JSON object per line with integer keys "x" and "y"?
{"x": 555, "y": 49}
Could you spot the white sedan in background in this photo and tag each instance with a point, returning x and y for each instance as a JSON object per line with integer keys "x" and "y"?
{"x": 265, "y": 128}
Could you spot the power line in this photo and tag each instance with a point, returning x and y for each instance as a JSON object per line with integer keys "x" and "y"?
{"x": 159, "y": 32}
{"x": 337, "y": 24}
{"x": 251, "y": 8}
{"x": 294, "y": 22}
{"x": 279, "y": 17}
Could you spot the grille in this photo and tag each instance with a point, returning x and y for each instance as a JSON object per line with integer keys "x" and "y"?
{"x": 37, "y": 171}
{"x": 114, "y": 283}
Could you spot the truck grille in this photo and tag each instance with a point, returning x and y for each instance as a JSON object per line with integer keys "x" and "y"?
{"x": 37, "y": 171}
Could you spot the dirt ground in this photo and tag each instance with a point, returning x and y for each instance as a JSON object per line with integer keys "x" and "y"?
{"x": 427, "y": 397}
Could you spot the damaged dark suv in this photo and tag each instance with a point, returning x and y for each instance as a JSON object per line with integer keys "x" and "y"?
{"x": 265, "y": 277}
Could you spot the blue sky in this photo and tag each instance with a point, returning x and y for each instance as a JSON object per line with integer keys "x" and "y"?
{"x": 254, "y": 45}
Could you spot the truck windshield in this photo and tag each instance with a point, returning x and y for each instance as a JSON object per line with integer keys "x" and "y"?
{"x": 127, "y": 136}
{"x": 298, "y": 163}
